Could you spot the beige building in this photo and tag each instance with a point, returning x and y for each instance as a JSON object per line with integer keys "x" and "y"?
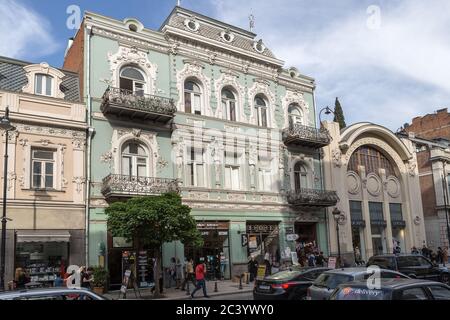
{"x": 376, "y": 177}
{"x": 46, "y": 168}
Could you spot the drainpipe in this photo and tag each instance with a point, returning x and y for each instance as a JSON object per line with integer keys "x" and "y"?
{"x": 90, "y": 132}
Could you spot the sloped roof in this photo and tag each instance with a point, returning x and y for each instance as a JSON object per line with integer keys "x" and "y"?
{"x": 13, "y": 78}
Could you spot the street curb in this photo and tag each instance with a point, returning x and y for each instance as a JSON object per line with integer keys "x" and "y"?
{"x": 225, "y": 293}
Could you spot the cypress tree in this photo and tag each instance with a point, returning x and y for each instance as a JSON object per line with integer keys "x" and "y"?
{"x": 339, "y": 114}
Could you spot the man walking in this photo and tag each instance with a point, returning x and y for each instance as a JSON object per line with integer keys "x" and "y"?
{"x": 200, "y": 277}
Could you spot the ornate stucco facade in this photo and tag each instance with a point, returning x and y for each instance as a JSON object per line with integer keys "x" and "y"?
{"x": 46, "y": 168}
{"x": 206, "y": 109}
{"x": 375, "y": 174}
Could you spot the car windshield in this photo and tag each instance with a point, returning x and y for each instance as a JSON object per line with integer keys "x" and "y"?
{"x": 283, "y": 275}
{"x": 351, "y": 293}
{"x": 332, "y": 280}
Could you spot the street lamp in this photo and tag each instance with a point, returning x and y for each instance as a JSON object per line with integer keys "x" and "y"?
{"x": 337, "y": 215}
{"x": 5, "y": 124}
{"x": 327, "y": 112}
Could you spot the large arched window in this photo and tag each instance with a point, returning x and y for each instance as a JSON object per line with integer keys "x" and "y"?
{"x": 261, "y": 110}
{"x": 192, "y": 97}
{"x": 295, "y": 114}
{"x": 300, "y": 176}
{"x": 229, "y": 104}
{"x": 372, "y": 160}
{"x": 134, "y": 159}
{"x": 132, "y": 79}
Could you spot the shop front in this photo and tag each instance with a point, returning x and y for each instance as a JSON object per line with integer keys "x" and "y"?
{"x": 42, "y": 254}
{"x": 215, "y": 251}
{"x": 263, "y": 241}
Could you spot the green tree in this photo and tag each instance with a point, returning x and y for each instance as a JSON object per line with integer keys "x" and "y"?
{"x": 151, "y": 221}
{"x": 339, "y": 114}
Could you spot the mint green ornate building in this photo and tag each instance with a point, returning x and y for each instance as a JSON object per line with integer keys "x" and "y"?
{"x": 206, "y": 109}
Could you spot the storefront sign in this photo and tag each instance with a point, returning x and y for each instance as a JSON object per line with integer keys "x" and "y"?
{"x": 332, "y": 262}
{"x": 261, "y": 272}
{"x": 289, "y": 230}
{"x": 142, "y": 270}
{"x": 294, "y": 258}
{"x": 244, "y": 239}
{"x": 213, "y": 225}
{"x": 359, "y": 223}
{"x": 261, "y": 228}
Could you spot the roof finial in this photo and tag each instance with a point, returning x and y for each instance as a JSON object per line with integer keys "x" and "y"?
{"x": 251, "y": 19}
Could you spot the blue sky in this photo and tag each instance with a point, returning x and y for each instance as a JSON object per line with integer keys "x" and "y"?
{"x": 387, "y": 61}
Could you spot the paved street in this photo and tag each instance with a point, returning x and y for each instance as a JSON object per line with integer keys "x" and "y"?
{"x": 240, "y": 296}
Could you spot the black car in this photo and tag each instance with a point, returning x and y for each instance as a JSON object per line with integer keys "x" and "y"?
{"x": 393, "y": 289}
{"x": 286, "y": 285}
{"x": 414, "y": 266}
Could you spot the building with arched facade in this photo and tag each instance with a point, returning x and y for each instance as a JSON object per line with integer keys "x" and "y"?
{"x": 206, "y": 109}
{"x": 376, "y": 177}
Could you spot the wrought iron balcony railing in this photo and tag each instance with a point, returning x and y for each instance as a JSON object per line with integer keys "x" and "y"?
{"x": 299, "y": 134}
{"x": 118, "y": 185}
{"x": 123, "y": 102}
{"x": 312, "y": 198}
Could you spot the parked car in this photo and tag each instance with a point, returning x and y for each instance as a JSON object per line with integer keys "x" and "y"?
{"x": 415, "y": 266}
{"x": 323, "y": 286}
{"x": 393, "y": 289}
{"x": 51, "y": 294}
{"x": 286, "y": 285}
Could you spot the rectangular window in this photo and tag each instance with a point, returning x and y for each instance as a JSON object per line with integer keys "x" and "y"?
{"x": 196, "y": 167}
{"x": 187, "y": 102}
{"x": 376, "y": 211}
{"x": 197, "y": 104}
{"x": 265, "y": 179}
{"x": 232, "y": 177}
{"x": 232, "y": 111}
{"x": 396, "y": 211}
{"x": 356, "y": 211}
{"x": 43, "y": 84}
{"x": 43, "y": 168}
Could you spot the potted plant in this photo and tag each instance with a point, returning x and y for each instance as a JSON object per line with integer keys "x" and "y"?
{"x": 100, "y": 276}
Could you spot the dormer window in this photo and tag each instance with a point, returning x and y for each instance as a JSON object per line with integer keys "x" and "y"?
{"x": 227, "y": 36}
{"x": 43, "y": 84}
{"x": 259, "y": 46}
{"x": 191, "y": 24}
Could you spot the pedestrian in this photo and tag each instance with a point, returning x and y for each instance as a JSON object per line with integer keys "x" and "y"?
{"x": 357, "y": 255}
{"x": 425, "y": 251}
{"x": 179, "y": 275}
{"x": 223, "y": 264}
{"x": 253, "y": 268}
{"x": 267, "y": 264}
{"x": 87, "y": 278}
{"x": 439, "y": 255}
{"x": 172, "y": 272}
{"x": 320, "y": 259}
{"x": 414, "y": 250}
{"x": 190, "y": 274}
{"x": 20, "y": 279}
{"x": 445, "y": 256}
{"x": 200, "y": 278}
{"x": 311, "y": 260}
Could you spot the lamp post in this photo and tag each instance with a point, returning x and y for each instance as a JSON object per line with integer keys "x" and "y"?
{"x": 337, "y": 215}
{"x": 327, "y": 112}
{"x": 5, "y": 124}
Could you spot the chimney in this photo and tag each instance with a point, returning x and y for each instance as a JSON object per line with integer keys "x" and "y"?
{"x": 69, "y": 45}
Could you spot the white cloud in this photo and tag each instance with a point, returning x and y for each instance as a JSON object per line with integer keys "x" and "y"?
{"x": 388, "y": 75}
{"x": 23, "y": 32}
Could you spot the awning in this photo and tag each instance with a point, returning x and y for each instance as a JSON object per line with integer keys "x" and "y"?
{"x": 43, "y": 236}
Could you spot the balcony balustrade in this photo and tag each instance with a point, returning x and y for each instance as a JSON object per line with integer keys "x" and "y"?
{"x": 301, "y": 135}
{"x": 312, "y": 198}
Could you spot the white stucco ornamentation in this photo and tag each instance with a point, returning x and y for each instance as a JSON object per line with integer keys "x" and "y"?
{"x": 217, "y": 155}
{"x": 297, "y": 98}
{"x": 132, "y": 56}
{"x": 78, "y": 181}
{"x": 393, "y": 187}
{"x": 261, "y": 86}
{"x": 43, "y": 68}
{"x": 373, "y": 184}
{"x": 230, "y": 79}
{"x": 12, "y": 176}
{"x": 336, "y": 156}
{"x": 194, "y": 69}
{"x": 412, "y": 168}
{"x": 353, "y": 183}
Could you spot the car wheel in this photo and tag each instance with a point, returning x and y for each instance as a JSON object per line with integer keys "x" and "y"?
{"x": 445, "y": 278}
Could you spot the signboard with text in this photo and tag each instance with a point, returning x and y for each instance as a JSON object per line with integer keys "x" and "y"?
{"x": 332, "y": 262}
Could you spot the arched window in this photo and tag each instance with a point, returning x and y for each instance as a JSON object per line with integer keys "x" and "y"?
{"x": 229, "y": 105}
{"x": 261, "y": 110}
{"x": 134, "y": 160}
{"x": 295, "y": 114}
{"x": 192, "y": 97}
{"x": 132, "y": 79}
{"x": 372, "y": 160}
{"x": 300, "y": 176}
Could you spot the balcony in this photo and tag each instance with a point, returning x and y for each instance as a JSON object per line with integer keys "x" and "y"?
{"x": 117, "y": 185}
{"x": 312, "y": 198}
{"x": 126, "y": 103}
{"x": 300, "y": 135}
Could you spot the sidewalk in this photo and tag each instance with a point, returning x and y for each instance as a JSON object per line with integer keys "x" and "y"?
{"x": 226, "y": 287}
